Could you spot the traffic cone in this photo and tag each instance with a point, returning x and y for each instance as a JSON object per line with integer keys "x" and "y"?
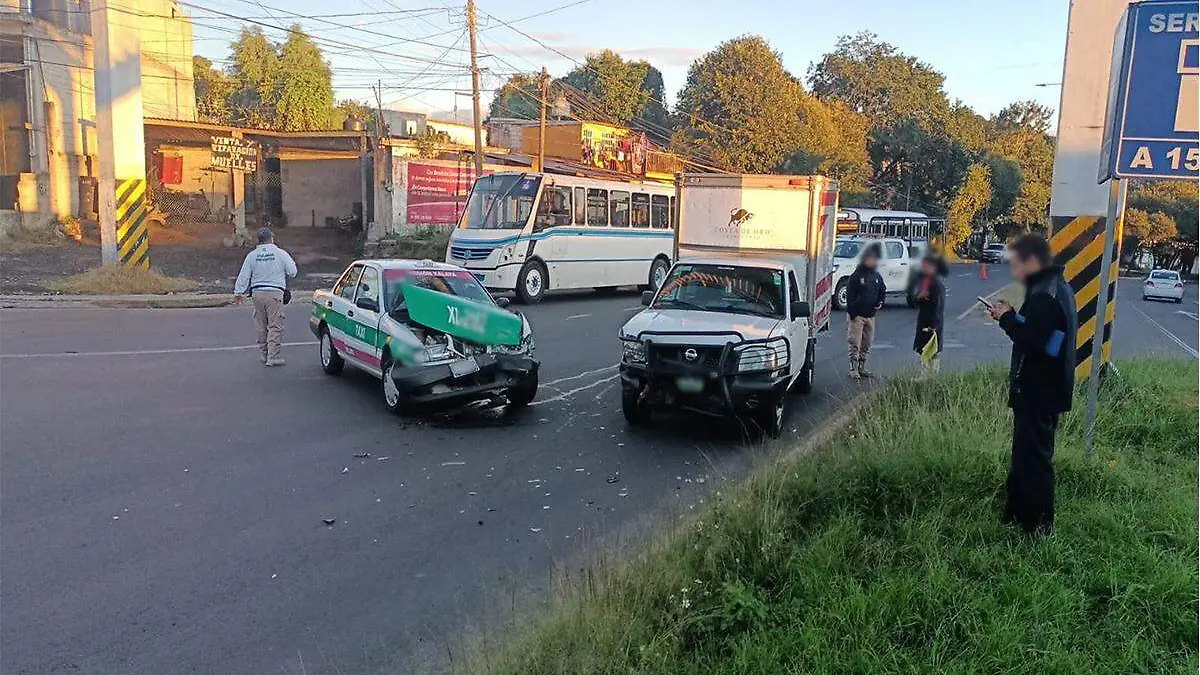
{"x": 983, "y": 272}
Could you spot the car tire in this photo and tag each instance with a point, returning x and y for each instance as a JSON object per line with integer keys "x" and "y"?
{"x": 771, "y": 420}
{"x": 804, "y": 381}
{"x": 331, "y": 362}
{"x": 525, "y": 391}
{"x": 636, "y": 413}
{"x": 839, "y": 295}
{"x": 531, "y": 283}
{"x": 658, "y": 273}
{"x": 393, "y": 398}
{"x": 1179, "y": 301}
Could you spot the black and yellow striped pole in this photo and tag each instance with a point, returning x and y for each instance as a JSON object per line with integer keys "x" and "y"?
{"x": 133, "y": 239}
{"x": 1078, "y": 245}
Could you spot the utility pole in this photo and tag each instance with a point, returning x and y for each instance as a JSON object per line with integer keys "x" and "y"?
{"x": 120, "y": 137}
{"x": 544, "y": 86}
{"x": 475, "y": 88}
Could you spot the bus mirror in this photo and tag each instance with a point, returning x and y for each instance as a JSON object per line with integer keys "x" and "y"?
{"x": 647, "y": 298}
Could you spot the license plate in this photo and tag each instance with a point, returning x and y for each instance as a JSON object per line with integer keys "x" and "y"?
{"x": 690, "y": 385}
{"x": 464, "y": 367}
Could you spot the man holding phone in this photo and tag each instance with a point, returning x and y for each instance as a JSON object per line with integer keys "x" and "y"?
{"x": 1041, "y": 379}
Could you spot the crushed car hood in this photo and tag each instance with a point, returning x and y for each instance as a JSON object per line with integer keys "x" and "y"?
{"x": 692, "y": 325}
{"x": 481, "y": 323}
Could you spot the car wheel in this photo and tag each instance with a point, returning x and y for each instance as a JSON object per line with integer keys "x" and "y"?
{"x": 1178, "y": 301}
{"x": 840, "y": 295}
{"x": 531, "y": 283}
{"x": 636, "y": 413}
{"x": 393, "y": 398}
{"x": 772, "y": 418}
{"x": 331, "y": 362}
{"x": 658, "y": 273}
{"x": 804, "y": 382}
{"x": 522, "y": 394}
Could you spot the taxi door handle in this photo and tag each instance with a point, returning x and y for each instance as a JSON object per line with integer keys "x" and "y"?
{"x": 329, "y": 303}
{"x": 350, "y": 312}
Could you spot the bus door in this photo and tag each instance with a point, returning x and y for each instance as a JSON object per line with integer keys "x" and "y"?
{"x": 555, "y": 223}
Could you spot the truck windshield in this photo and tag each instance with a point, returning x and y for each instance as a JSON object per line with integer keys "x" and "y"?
{"x": 451, "y": 282}
{"x": 846, "y": 249}
{"x": 501, "y": 202}
{"x": 723, "y": 288}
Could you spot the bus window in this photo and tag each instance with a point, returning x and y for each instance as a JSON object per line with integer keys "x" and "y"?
{"x": 597, "y": 207}
{"x": 580, "y": 207}
{"x": 620, "y": 208}
{"x": 660, "y": 212}
{"x": 639, "y": 214}
{"x": 556, "y": 205}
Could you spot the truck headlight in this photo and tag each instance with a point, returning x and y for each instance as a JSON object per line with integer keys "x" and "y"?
{"x": 633, "y": 351}
{"x": 763, "y": 357}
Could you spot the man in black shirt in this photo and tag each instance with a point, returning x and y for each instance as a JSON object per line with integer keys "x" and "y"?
{"x": 1041, "y": 379}
{"x": 865, "y": 292}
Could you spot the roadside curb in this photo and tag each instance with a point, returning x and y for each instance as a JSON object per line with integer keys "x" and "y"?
{"x": 172, "y": 301}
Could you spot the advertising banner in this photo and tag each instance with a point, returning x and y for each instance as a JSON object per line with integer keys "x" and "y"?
{"x": 437, "y": 192}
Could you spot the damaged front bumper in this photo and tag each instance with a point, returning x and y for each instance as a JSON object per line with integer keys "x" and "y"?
{"x": 459, "y": 383}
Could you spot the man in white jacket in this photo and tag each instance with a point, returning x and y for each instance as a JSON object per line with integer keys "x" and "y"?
{"x": 264, "y": 278}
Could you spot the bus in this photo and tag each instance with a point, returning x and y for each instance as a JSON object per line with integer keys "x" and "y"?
{"x": 902, "y": 224}
{"x": 534, "y": 232}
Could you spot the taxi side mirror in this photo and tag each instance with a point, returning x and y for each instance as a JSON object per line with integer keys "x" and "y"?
{"x": 647, "y": 298}
{"x": 800, "y": 309}
{"x": 368, "y": 304}
{"x": 502, "y": 302}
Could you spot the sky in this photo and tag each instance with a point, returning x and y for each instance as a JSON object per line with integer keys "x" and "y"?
{"x": 992, "y": 53}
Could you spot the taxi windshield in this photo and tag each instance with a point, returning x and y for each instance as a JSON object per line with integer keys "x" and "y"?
{"x": 451, "y": 282}
{"x": 723, "y": 288}
{"x": 501, "y": 202}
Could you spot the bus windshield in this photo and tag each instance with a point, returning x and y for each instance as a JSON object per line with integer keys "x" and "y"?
{"x": 501, "y": 202}
{"x": 723, "y": 288}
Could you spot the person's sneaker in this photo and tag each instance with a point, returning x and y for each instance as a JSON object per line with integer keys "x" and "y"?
{"x": 854, "y": 374}
{"x": 263, "y": 358}
{"x": 863, "y": 372}
{"x": 277, "y": 361}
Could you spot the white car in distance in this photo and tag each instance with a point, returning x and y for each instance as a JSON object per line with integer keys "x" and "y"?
{"x": 1163, "y": 285}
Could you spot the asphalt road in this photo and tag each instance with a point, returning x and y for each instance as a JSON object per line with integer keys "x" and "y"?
{"x": 163, "y": 495}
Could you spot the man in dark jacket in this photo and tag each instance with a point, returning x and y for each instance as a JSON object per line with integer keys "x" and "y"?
{"x": 1041, "y": 379}
{"x": 931, "y": 310}
{"x": 865, "y": 292}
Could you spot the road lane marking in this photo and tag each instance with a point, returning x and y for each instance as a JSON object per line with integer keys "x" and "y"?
{"x": 571, "y": 392}
{"x": 1191, "y": 314}
{"x": 585, "y": 373}
{"x": 1183, "y": 345}
{"x": 637, "y": 307}
{"x": 148, "y": 352}
{"x": 576, "y": 316}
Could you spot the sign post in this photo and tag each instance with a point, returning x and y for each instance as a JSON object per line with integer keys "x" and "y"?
{"x": 1151, "y": 129}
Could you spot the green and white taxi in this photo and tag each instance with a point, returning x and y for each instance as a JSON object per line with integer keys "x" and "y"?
{"x": 429, "y": 331}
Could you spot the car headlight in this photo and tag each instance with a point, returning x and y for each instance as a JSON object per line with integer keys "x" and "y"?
{"x": 764, "y": 357}
{"x": 524, "y": 347}
{"x": 633, "y": 351}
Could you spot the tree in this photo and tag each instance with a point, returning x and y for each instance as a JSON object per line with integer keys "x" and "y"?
{"x": 1176, "y": 199}
{"x": 654, "y": 118}
{"x": 739, "y": 108}
{"x": 876, "y": 79}
{"x": 1018, "y": 133}
{"x": 833, "y": 141}
{"x": 970, "y": 200}
{"x": 608, "y": 88}
{"x": 1006, "y": 188}
{"x": 304, "y": 100}
{"x": 352, "y": 108}
{"x": 516, "y": 98}
{"x": 254, "y": 71}
{"x": 213, "y": 89}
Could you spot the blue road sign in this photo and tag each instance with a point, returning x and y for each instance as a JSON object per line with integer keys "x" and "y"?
{"x": 1151, "y": 130}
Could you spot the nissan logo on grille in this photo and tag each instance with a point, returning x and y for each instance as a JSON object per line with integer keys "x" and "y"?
{"x": 691, "y": 354}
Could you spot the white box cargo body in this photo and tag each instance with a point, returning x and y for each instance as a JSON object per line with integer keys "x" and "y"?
{"x": 791, "y": 219}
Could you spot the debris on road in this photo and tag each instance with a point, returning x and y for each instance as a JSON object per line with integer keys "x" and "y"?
{"x": 614, "y": 479}
{"x": 345, "y": 469}
{"x": 329, "y": 521}
{"x": 453, "y": 463}
{"x": 535, "y": 530}
{"x": 361, "y": 455}
{"x": 383, "y": 459}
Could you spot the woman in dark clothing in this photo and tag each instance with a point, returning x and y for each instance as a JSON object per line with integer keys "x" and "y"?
{"x": 931, "y": 309}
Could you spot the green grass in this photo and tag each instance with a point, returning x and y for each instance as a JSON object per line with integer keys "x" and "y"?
{"x": 882, "y": 552}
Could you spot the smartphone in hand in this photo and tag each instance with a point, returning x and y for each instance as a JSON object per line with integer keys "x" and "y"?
{"x": 983, "y": 302}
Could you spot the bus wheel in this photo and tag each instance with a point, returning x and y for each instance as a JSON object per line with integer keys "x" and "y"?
{"x": 658, "y": 273}
{"x": 531, "y": 283}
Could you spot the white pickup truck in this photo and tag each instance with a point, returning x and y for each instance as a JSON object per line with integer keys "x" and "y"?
{"x": 732, "y": 329}
{"x": 897, "y": 266}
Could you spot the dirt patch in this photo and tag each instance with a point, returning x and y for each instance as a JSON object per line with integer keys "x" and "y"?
{"x": 118, "y": 280}
{"x": 189, "y": 250}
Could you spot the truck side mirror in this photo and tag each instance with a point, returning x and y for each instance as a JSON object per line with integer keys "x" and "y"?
{"x": 647, "y": 298}
{"x": 800, "y": 309}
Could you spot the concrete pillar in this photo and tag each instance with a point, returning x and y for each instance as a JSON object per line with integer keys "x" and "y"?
{"x": 239, "y": 200}
{"x": 123, "y": 205}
